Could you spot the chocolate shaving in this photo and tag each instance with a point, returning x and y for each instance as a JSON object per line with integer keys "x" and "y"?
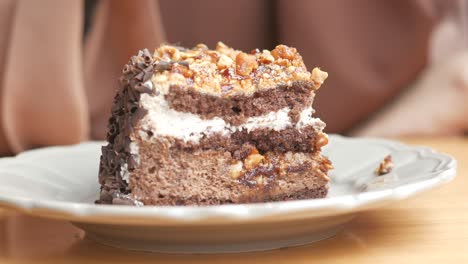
{"x": 148, "y": 73}
{"x": 162, "y": 66}
{"x": 124, "y": 115}
{"x": 147, "y": 57}
{"x": 127, "y": 69}
{"x": 139, "y": 76}
{"x": 141, "y": 65}
{"x": 143, "y": 88}
{"x": 183, "y": 63}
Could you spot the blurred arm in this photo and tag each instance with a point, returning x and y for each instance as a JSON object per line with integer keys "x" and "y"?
{"x": 436, "y": 104}
{"x": 43, "y": 100}
{"x": 120, "y": 29}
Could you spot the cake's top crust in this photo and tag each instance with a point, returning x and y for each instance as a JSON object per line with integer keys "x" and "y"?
{"x": 226, "y": 72}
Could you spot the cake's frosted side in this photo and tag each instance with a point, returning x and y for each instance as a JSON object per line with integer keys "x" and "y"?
{"x": 190, "y": 120}
{"x": 117, "y": 158}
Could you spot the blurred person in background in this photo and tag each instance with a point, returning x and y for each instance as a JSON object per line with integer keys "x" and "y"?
{"x": 396, "y": 67}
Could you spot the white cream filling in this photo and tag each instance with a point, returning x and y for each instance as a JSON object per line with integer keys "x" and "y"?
{"x": 124, "y": 172}
{"x": 306, "y": 119}
{"x": 164, "y": 121}
{"x": 134, "y": 149}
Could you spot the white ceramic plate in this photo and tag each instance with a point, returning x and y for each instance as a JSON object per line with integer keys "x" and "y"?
{"x": 61, "y": 182}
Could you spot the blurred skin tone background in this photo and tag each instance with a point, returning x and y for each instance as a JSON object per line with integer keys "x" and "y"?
{"x": 396, "y": 68}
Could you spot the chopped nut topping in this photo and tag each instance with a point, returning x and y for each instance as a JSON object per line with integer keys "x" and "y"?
{"x": 269, "y": 167}
{"x": 213, "y": 55}
{"x": 322, "y": 140}
{"x": 260, "y": 180}
{"x": 202, "y": 46}
{"x": 208, "y": 71}
{"x": 220, "y": 46}
{"x": 245, "y": 64}
{"x": 236, "y": 170}
{"x": 253, "y": 160}
{"x": 253, "y": 151}
{"x": 169, "y": 52}
{"x": 182, "y": 69}
{"x": 328, "y": 165}
{"x": 224, "y": 49}
{"x": 283, "y": 62}
{"x": 385, "y": 166}
{"x": 224, "y": 62}
{"x": 318, "y": 77}
{"x": 284, "y": 52}
{"x": 266, "y": 57}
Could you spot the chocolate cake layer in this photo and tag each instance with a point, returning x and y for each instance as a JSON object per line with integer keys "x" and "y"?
{"x": 237, "y": 108}
{"x": 171, "y": 177}
{"x": 308, "y": 140}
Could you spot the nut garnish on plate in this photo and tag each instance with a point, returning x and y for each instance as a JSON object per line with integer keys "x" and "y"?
{"x": 385, "y": 166}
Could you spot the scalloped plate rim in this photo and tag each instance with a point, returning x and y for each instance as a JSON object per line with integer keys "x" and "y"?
{"x": 92, "y": 213}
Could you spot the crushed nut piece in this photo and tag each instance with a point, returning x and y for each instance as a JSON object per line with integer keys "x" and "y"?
{"x": 300, "y": 75}
{"x": 284, "y": 52}
{"x": 169, "y": 52}
{"x": 283, "y": 62}
{"x": 252, "y": 161}
{"x": 236, "y": 170}
{"x": 245, "y": 64}
{"x": 224, "y": 62}
{"x": 202, "y": 46}
{"x": 322, "y": 140}
{"x": 328, "y": 165}
{"x": 318, "y": 77}
{"x": 385, "y": 166}
{"x": 224, "y": 49}
{"x": 254, "y": 51}
{"x": 221, "y": 46}
{"x": 266, "y": 57}
{"x": 253, "y": 151}
{"x": 213, "y": 55}
{"x": 260, "y": 180}
{"x": 182, "y": 69}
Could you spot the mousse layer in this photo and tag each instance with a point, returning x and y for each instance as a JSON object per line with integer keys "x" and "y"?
{"x": 172, "y": 177}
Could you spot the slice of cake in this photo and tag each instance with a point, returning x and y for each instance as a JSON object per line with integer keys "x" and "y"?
{"x": 201, "y": 127}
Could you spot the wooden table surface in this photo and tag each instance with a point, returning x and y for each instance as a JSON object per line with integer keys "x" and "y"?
{"x": 430, "y": 228}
